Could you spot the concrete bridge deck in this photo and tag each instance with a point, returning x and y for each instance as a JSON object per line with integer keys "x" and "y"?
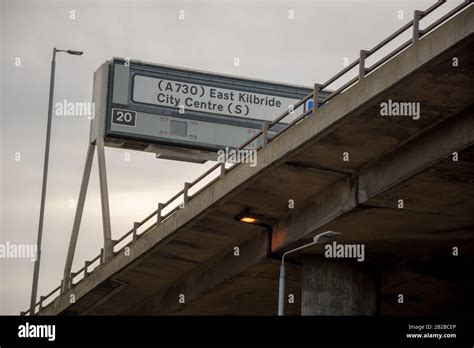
{"x": 390, "y": 158}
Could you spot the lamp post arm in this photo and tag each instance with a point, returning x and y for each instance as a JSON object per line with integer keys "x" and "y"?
{"x": 296, "y": 249}
{"x": 281, "y": 288}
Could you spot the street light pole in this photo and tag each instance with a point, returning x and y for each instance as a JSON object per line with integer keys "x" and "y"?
{"x": 281, "y": 288}
{"x": 34, "y": 288}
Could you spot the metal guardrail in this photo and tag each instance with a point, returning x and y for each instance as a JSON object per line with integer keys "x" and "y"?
{"x": 363, "y": 71}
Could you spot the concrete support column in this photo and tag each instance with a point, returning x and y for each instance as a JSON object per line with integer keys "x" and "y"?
{"x": 335, "y": 287}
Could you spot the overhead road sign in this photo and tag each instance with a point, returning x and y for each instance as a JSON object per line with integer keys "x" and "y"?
{"x": 158, "y": 108}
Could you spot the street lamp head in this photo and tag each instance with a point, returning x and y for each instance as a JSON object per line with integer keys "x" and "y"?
{"x": 76, "y": 53}
{"x": 328, "y": 234}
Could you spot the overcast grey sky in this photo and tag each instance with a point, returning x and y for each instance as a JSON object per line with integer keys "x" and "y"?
{"x": 307, "y": 49}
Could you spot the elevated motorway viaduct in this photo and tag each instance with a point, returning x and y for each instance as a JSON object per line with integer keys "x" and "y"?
{"x": 188, "y": 264}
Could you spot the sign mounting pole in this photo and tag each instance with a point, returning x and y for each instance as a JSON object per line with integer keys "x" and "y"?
{"x": 104, "y": 199}
{"x": 77, "y": 219}
{"x": 96, "y": 139}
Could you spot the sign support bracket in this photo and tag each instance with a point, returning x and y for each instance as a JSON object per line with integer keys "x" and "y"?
{"x": 108, "y": 252}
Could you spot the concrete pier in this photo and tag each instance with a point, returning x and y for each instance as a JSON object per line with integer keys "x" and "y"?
{"x": 335, "y": 287}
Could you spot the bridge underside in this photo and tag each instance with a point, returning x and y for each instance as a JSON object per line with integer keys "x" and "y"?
{"x": 202, "y": 261}
{"x": 411, "y": 248}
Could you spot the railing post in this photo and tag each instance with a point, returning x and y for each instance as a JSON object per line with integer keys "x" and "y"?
{"x": 187, "y": 185}
{"x": 362, "y": 70}
{"x": 416, "y": 25}
{"x": 264, "y": 133}
{"x": 113, "y": 243}
{"x": 86, "y": 265}
{"x": 101, "y": 255}
{"x": 42, "y": 298}
{"x": 158, "y": 213}
{"x": 71, "y": 280}
{"x": 135, "y": 228}
{"x": 222, "y": 169}
{"x": 316, "y": 93}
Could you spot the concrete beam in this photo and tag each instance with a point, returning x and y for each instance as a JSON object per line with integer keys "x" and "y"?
{"x": 207, "y": 276}
{"x": 327, "y": 205}
{"x": 454, "y": 134}
{"x": 255, "y": 292}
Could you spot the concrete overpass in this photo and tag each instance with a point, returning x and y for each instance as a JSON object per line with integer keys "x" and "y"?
{"x": 428, "y": 163}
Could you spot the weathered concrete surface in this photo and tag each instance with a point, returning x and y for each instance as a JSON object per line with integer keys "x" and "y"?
{"x": 207, "y": 276}
{"x": 333, "y": 287}
{"x": 251, "y": 292}
{"x": 305, "y": 165}
{"x": 370, "y": 184}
